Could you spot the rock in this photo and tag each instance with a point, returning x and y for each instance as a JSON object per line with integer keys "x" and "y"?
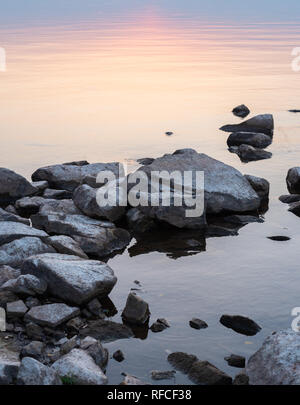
{"x": 6, "y": 297}
{"x": 241, "y": 379}
{"x": 293, "y": 180}
{"x": 34, "y": 331}
{"x": 73, "y": 326}
{"x": 69, "y": 345}
{"x": 106, "y": 331}
{"x": 240, "y": 324}
{"x": 119, "y": 356}
{"x": 136, "y": 310}
{"x": 132, "y": 380}
{"x": 57, "y": 194}
{"x": 84, "y": 198}
{"x": 295, "y": 208}
{"x": 16, "y": 309}
{"x": 40, "y": 185}
{"x": 248, "y": 153}
{"x": 71, "y": 278}
{"x": 241, "y": 111}
{"x": 236, "y": 361}
{"x": 32, "y": 372}
{"x": 162, "y": 375}
{"x": 182, "y": 361}
{"x": 260, "y": 123}
{"x": 198, "y": 324}
{"x": 256, "y": 140}
{"x": 68, "y": 177}
{"x": 95, "y": 307}
{"x": 32, "y": 302}
{"x": 87, "y": 342}
{"x": 26, "y": 285}
{"x": 8, "y": 273}
{"x": 260, "y": 186}
{"x": 8, "y": 217}
{"x": 294, "y": 111}
{"x": 289, "y": 199}
{"x": 11, "y": 209}
{"x": 33, "y": 349}
{"x": 279, "y": 238}
{"x": 139, "y": 222}
{"x": 98, "y": 353}
{"x": 157, "y": 327}
{"x": 80, "y": 368}
{"x": 10, "y": 231}
{"x": 8, "y": 371}
{"x": 164, "y": 322}
{"x": 66, "y": 245}
{"x": 14, "y": 253}
{"x": 28, "y": 206}
{"x": 169, "y": 133}
{"x": 242, "y": 219}
{"x": 95, "y": 237}
{"x": 13, "y": 186}
{"x": 77, "y": 163}
{"x": 277, "y": 361}
{"x": 145, "y": 161}
{"x": 205, "y": 373}
{"x": 66, "y": 207}
{"x": 52, "y": 314}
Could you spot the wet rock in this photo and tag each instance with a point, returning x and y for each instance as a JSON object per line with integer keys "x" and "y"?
{"x": 34, "y": 349}
{"x": 51, "y": 314}
{"x": 98, "y": 353}
{"x": 182, "y": 361}
{"x": 71, "y": 278}
{"x": 10, "y": 231}
{"x": 16, "y": 309}
{"x": 290, "y": 198}
{"x": 84, "y": 198}
{"x": 139, "y": 222}
{"x": 240, "y": 324}
{"x": 293, "y": 180}
{"x": 106, "y": 331}
{"x": 256, "y": 140}
{"x": 260, "y": 186}
{"x": 14, "y": 253}
{"x": 241, "y": 111}
{"x": 26, "y": 285}
{"x": 32, "y": 372}
{"x": 236, "y": 361}
{"x": 248, "y": 153}
{"x": 145, "y": 161}
{"x": 295, "y": 208}
{"x": 277, "y": 361}
{"x": 69, "y": 345}
{"x": 279, "y": 238}
{"x": 13, "y": 186}
{"x": 40, "y": 185}
{"x": 66, "y": 245}
{"x": 8, "y": 273}
{"x": 9, "y": 217}
{"x": 119, "y": 356}
{"x": 79, "y": 367}
{"x": 68, "y": 177}
{"x": 260, "y": 123}
{"x": 198, "y": 324}
{"x": 95, "y": 237}
{"x": 57, "y": 194}
{"x": 205, "y": 373}
{"x": 136, "y": 310}
{"x": 162, "y": 375}
{"x": 34, "y": 331}
{"x": 241, "y": 379}
{"x": 8, "y": 371}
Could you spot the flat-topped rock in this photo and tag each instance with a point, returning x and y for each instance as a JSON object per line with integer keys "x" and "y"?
{"x": 71, "y": 278}
{"x": 13, "y": 186}
{"x": 52, "y": 314}
{"x": 10, "y": 231}
{"x": 16, "y": 309}
{"x": 260, "y": 123}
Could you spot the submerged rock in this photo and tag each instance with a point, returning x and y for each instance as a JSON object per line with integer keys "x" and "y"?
{"x": 198, "y": 324}
{"x": 236, "y": 361}
{"x": 13, "y": 186}
{"x": 205, "y": 373}
{"x": 279, "y": 238}
{"x": 182, "y": 361}
{"x": 249, "y": 154}
{"x": 136, "y": 310}
{"x": 260, "y": 123}
{"x": 277, "y": 361}
{"x": 293, "y": 180}
{"x": 241, "y": 111}
{"x": 162, "y": 375}
{"x": 32, "y": 372}
{"x": 240, "y": 324}
{"x": 52, "y": 314}
{"x": 254, "y": 139}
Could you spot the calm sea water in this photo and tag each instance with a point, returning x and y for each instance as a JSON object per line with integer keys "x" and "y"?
{"x": 106, "y": 89}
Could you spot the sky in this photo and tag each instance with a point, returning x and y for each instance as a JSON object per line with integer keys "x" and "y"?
{"x": 26, "y": 12}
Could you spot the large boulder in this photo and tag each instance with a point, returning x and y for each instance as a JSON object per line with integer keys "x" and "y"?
{"x": 260, "y": 123}
{"x": 256, "y": 140}
{"x": 69, "y": 176}
{"x": 51, "y": 315}
{"x": 293, "y": 180}
{"x": 32, "y": 372}
{"x": 13, "y": 186}
{"x": 71, "y": 278}
{"x": 10, "y": 231}
{"x": 277, "y": 361}
{"x": 79, "y": 368}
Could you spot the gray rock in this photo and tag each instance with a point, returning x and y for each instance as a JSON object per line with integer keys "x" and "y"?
{"x": 290, "y": 198}
{"x": 95, "y": 307}
{"x": 66, "y": 207}
{"x": 8, "y": 370}
{"x": 13, "y": 186}
{"x": 79, "y": 367}
{"x": 241, "y": 379}
{"x": 40, "y": 185}
{"x": 132, "y": 380}
{"x": 240, "y": 324}
{"x": 139, "y": 222}
{"x": 136, "y": 310}
{"x": 34, "y": 349}
{"x": 26, "y": 285}
{"x": 236, "y": 361}
{"x": 32, "y": 372}
{"x": 8, "y": 273}
{"x": 205, "y": 373}
{"x": 71, "y": 278}
{"x": 84, "y": 198}
{"x": 119, "y": 356}
{"x": 69, "y": 345}
{"x": 6, "y": 297}
{"x": 34, "y": 331}
{"x": 277, "y": 361}
{"x": 87, "y": 342}
{"x": 10, "y": 231}
{"x": 260, "y": 123}
{"x": 182, "y": 361}
{"x": 51, "y": 314}
{"x": 57, "y": 194}
{"x": 158, "y": 326}
{"x": 16, "y": 309}
{"x": 9, "y": 217}
{"x": 248, "y": 153}
{"x": 66, "y": 245}
{"x": 293, "y": 180}
{"x": 198, "y": 324}
{"x": 28, "y": 206}
{"x": 68, "y": 177}
{"x": 77, "y": 163}
{"x": 295, "y": 208}
{"x": 241, "y": 111}
{"x": 106, "y": 331}
{"x": 253, "y": 139}
{"x": 145, "y": 161}
{"x": 32, "y": 302}
{"x": 14, "y": 253}
{"x": 98, "y": 353}
{"x": 11, "y": 209}
{"x": 95, "y": 237}
{"x": 260, "y": 185}
{"x": 162, "y": 375}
